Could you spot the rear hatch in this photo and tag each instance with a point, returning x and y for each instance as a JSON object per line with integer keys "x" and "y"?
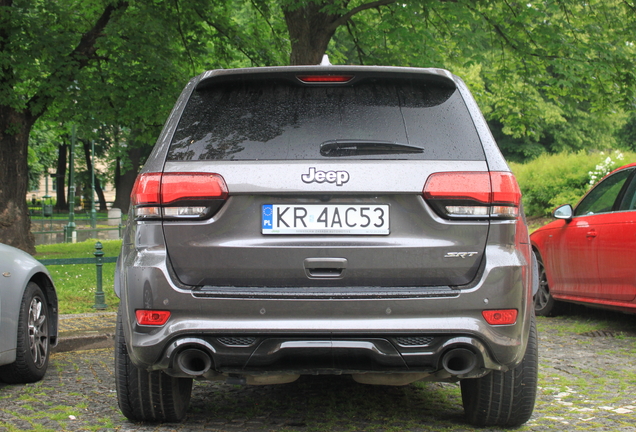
{"x": 323, "y": 181}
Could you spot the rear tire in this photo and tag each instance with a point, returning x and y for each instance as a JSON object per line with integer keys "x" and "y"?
{"x": 32, "y": 348}
{"x": 544, "y": 303}
{"x": 147, "y": 396}
{"x": 504, "y": 398}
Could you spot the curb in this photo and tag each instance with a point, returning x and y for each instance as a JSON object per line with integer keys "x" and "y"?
{"x": 84, "y": 342}
{"x": 85, "y": 331}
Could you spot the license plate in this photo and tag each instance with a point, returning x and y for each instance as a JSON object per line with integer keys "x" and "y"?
{"x": 354, "y": 219}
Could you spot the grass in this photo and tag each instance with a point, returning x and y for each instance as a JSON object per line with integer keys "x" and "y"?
{"x": 583, "y": 319}
{"x": 76, "y": 283}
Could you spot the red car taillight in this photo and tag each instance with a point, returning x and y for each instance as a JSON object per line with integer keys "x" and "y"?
{"x": 177, "y": 195}
{"x": 473, "y": 194}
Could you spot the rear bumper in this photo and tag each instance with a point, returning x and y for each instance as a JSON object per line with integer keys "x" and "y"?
{"x": 293, "y": 333}
{"x": 444, "y": 356}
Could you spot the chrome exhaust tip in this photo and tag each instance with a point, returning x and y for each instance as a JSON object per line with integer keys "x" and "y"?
{"x": 193, "y": 362}
{"x": 459, "y": 361}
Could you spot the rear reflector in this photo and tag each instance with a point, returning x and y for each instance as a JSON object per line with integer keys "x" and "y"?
{"x": 473, "y": 194}
{"x": 325, "y": 78}
{"x": 500, "y": 317}
{"x": 152, "y": 317}
{"x": 177, "y": 195}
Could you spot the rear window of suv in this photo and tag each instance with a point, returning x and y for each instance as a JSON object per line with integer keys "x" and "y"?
{"x": 372, "y": 119}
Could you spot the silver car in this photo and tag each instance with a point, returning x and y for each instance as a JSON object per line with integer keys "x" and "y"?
{"x": 326, "y": 220}
{"x": 28, "y": 317}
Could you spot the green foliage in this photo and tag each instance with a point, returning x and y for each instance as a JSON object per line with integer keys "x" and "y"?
{"x": 37, "y": 56}
{"x": 626, "y": 135}
{"x": 549, "y": 76}
{"x": 43, "y": 142}
{"x": 145, "y": 57}
{"x": 548, "y": 89}
{"x": 552, "y": 180}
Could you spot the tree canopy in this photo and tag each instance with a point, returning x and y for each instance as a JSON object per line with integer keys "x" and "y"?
{"x": 549, "y": 75}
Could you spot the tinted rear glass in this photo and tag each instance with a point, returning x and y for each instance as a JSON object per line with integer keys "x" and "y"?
{"x": 272, "y": 120}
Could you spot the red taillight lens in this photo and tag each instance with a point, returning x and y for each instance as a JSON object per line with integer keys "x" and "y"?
{"x": 500, "y": 317}
{"x": 325, "y": 78}
{"x": 177, "y": 195}
{"x": 146, "y": 189}
{"x": 505, "y": 190}
{"x": 191, "y": 186}
{"x": 473, "y": 194}
{"x": 473, "y": 186}
{"x": 152, "y": 317}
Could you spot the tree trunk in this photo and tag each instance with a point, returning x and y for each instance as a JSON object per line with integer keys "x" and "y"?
{"x": 311, "y": 28}
{"x": 125, "y": 179}
{"x": 60, "y": 178}
{"x": 310, "y": 31}
{"x": 15, "y": 222}
{"x": 100, "y": 196}
{"x": 98, "y": 187}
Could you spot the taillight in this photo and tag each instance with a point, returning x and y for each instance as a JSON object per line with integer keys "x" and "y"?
{"x": 325, "y": 78}
{"x": 178, "y": 195}
{"x": 473, "y": 194}
{"x": 146, "y": 190}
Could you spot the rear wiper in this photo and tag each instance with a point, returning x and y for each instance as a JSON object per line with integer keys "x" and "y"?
{"x": 351, "y": 147}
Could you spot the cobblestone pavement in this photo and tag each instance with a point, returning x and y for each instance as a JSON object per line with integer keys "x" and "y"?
{"x": 587, "y": 383}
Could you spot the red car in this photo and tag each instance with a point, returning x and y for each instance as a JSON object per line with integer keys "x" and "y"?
{"x": 588, "y": 255}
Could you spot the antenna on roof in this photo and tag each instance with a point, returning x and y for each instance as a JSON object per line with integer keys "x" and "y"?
{"x": 325, "y": 61}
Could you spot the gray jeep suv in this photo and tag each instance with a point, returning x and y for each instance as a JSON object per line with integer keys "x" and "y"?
{"x": 326, "y": 220}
